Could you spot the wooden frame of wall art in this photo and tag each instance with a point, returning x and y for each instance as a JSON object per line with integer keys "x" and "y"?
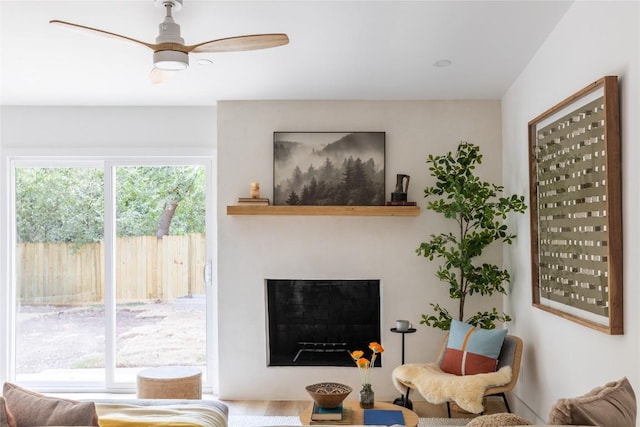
{"x": 329, "y": 168}
{"x": 576, "y": 208}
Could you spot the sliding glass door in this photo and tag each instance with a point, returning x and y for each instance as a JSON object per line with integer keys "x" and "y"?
{"x": 109, "y": 263}
{"x": 159, "y": 260}
{"x": 59, "y": 221}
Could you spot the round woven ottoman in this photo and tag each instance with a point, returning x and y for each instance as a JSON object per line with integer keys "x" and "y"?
{"x": 170, "y": 382}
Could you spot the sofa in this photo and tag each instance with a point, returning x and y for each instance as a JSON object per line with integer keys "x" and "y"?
{"x": 611, "y": 405}
{"x": 21, "y": 407}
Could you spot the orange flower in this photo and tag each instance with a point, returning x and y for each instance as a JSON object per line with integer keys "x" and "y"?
{"x": 363, "y": 363}
{"x": 376, "y": 348}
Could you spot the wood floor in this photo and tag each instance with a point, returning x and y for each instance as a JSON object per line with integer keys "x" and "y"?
{"x": 294, "y": 407}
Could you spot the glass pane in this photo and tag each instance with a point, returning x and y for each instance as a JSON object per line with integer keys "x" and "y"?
{"x": 60, "y": 332}
{"x": 160, "y": 256}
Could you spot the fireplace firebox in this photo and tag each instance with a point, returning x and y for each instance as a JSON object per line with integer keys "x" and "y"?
{"x": 320, "y": 322}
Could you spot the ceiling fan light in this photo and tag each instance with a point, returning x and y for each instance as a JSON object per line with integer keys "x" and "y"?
{"x": 171, "y": 60}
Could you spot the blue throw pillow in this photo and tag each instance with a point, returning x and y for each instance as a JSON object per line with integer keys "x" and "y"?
{"x": 472, "y": 350}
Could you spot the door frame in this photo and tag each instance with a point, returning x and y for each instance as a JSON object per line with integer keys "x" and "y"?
{"x": 8, "y": 295}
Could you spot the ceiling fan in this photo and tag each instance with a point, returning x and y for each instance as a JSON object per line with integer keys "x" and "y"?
{"x": 170, "y": 54}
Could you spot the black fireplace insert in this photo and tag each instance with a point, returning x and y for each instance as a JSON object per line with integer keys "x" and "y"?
{"x": 320, "y": 322}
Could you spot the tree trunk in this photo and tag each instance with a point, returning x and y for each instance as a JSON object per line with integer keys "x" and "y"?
{"x": 164, "y": 224}
{"x": 462, "y": 284}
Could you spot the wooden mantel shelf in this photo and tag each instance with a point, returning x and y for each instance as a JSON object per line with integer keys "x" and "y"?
{"x": 324, "y": 210}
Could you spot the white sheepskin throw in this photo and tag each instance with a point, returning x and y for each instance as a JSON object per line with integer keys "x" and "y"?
{"x": 437, "y": 386}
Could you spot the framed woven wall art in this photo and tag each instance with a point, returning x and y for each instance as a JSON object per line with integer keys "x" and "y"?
{"x": 576, "y": 217}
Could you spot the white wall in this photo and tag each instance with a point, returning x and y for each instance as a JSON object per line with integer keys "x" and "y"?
{"x": 127, "y": 129}
{"x": 252, "y": 248}
{"x": 562, "y": 358}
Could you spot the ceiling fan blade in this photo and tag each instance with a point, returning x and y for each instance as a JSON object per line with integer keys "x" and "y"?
{"x": 239, "y": 43}
{"x": 100, "y": 32}
{"x": 158, "y": 76}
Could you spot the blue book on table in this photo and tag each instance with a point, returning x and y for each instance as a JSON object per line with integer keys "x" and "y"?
{"x": 326, "y": 414}
{"x": 383, "y": 417}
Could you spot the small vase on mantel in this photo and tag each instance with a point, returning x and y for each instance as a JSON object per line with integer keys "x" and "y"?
{"x": 366, "y": 396}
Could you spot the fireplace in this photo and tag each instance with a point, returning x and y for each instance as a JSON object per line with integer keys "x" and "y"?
{"x": 320, "y": 322}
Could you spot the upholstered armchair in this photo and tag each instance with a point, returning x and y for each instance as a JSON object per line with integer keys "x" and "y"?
{"x": 438, "y": 385}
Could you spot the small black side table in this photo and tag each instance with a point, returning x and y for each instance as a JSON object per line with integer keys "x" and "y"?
{"x": 403, "y": 400}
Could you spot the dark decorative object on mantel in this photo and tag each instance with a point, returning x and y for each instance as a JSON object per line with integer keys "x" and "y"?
{"x": 399, "y": 195}
{"x": 402, "y": 187}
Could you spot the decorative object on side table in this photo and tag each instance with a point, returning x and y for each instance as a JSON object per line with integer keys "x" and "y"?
{"x": 329, "y": 394}
{"x": 365, "y": 367}
{"x": 402, "y": 326}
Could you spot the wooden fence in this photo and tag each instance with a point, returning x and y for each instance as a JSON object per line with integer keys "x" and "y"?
{"x": 147, "y": 268}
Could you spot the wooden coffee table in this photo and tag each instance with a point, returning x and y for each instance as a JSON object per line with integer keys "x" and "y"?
{"x": 357, "y": 413}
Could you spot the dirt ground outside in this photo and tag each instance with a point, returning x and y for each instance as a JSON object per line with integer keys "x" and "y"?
{"x": 147, "y": 334}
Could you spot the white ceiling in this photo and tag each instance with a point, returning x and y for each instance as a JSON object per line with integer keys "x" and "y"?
{"x": 383, "y": 50}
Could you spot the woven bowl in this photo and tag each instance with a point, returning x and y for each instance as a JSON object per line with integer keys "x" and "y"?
{"x": 328, "y": 395}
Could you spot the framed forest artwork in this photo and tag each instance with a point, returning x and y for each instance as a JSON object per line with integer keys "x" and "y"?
{"x": 576, "y": 201}
{"x": 328, "y": 168}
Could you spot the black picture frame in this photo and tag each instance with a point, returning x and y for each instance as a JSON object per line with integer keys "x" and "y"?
{"x": 329, "y": 168}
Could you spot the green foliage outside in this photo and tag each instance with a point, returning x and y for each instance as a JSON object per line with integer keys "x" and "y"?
{"x": 144, "y": 193}
{"x": 59, "y": 205}
{"x": 67, "y": 204}
{"x": 478, "y": 211}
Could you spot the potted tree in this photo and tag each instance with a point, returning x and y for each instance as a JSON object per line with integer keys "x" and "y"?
{"x": 478, "y": 209}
